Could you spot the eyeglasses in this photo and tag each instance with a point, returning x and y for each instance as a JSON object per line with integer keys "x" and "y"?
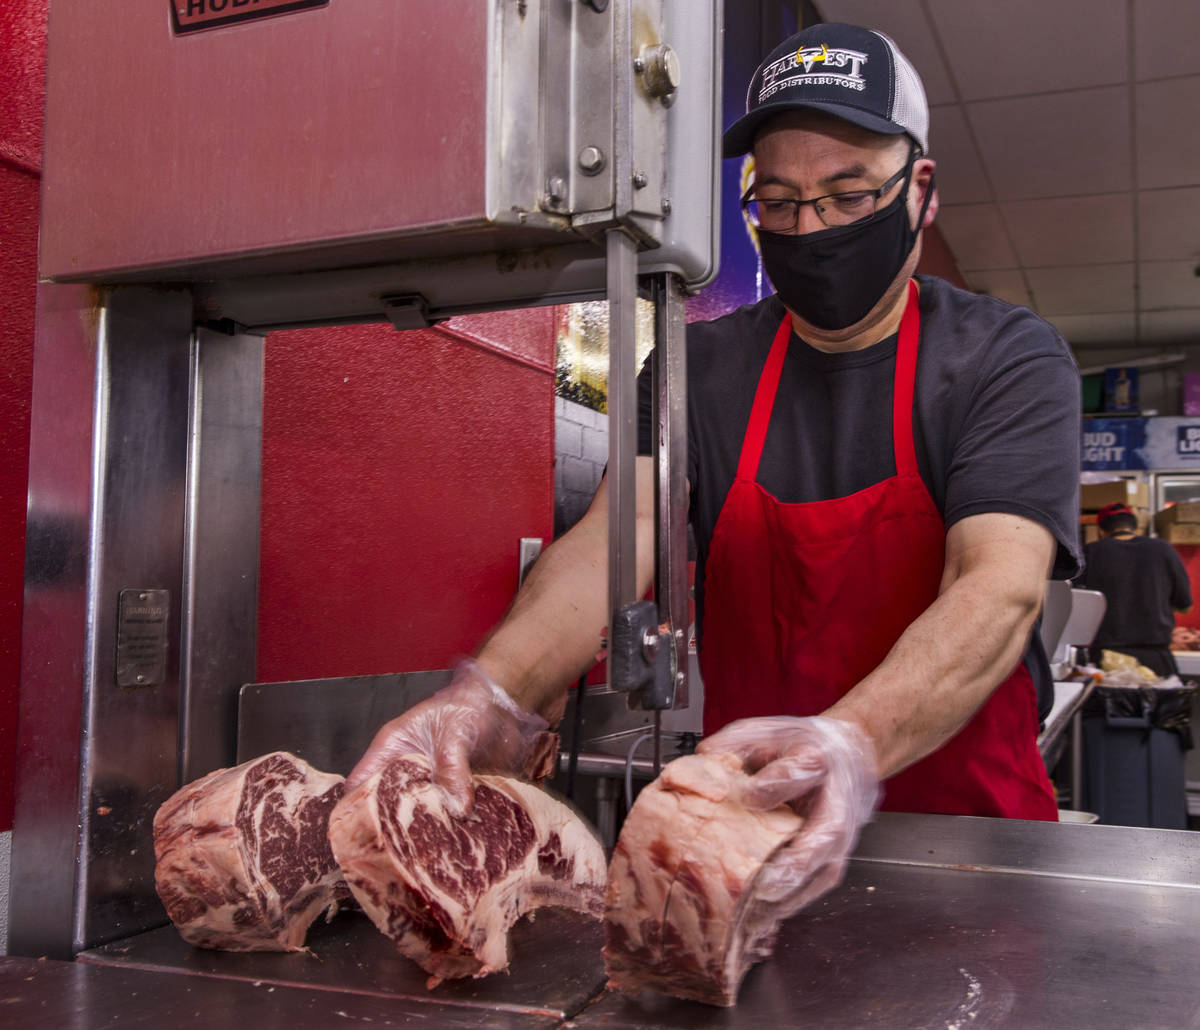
{"x": 782, "y": 214}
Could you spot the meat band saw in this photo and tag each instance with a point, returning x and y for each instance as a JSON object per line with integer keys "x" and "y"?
{"x": 561, "y": 150}
{"x": 142, "y": 530}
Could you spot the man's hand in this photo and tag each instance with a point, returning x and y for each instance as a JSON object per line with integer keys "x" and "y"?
{"x": 470, "y": 725}
{"x": 825, "y": 770}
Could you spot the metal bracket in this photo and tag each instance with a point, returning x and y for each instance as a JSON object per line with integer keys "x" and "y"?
{"x": 641, "y": 657}
{"x": 407, "y": 311}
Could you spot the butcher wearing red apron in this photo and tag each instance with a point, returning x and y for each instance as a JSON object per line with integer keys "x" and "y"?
{"x": 805, "y": 599}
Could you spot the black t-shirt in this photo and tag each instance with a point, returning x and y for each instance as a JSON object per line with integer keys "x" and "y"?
{"x": 995, "y": 418}
{"x": 1143, "y": 580}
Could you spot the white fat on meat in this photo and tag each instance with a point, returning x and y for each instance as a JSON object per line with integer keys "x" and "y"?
{"x": 242, "y": 855}
{"x": 448, "y": 888}
{"x": 690, "y": 904}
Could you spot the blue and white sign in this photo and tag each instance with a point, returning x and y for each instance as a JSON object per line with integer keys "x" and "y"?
{"x": 1173, "y": 443}
{"x": 1115, "y": 443}
{"x": 1141, "y": 443}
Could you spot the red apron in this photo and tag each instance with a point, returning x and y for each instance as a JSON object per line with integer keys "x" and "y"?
{"x": 803, "y": 600}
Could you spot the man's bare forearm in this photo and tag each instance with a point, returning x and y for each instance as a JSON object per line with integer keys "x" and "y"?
{"x": 951, "y": 658}
{"x": 556, "y": 625}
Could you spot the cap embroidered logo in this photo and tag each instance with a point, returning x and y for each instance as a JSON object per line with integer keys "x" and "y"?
{"x": 787, "y": 72}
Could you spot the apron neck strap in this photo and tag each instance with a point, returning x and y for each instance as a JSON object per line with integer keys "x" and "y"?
{"x": 902, "y": 393}
{"x": 904, "y": 385}
{"x": 764, "y": 402}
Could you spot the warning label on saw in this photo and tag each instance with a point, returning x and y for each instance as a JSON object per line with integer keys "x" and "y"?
{"x": 193, "y": 15}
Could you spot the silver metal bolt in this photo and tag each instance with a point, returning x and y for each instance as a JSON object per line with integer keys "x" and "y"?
{"x": 556, "y": 189}
{"x": 649, "y": 645}
{"x": 666, "y": 210}
{"x": 659, "y": 68}
{"x": 591, "y": 160}
{"x": 639, "y": 180}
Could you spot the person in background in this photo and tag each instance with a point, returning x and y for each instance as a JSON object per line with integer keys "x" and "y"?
{"x": 883, "y": 472}
{"x": 1143, "y": 582}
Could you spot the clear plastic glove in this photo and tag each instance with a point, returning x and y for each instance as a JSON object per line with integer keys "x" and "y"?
{"x": 471, "y": 725}
{"x": 823, "y": 768}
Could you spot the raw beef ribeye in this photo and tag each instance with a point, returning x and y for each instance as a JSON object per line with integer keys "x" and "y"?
{"x": 243, "y": 859}
{"x": 447, "y": 888}
{"x": 690, "y": 903}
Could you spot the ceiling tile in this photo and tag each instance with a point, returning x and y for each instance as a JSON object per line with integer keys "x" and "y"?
{"x": 905, "y": 22}
{"x": 975, "y": 233}
{"x": 1169, "y": 224}
{"x": 1071, "y": 230}
{"x": 1115, "y": 329}
{"x": 1005, "y": 283}
{"x": 1082, "y": 289}
{"x": 1168, "y": 145}
{"x": 960, "y": 175}
{"x": 1046, "y": 146}
{"x": 1178, "y": 327}
{"x": 1159, "y": 29}
{"x": 1030, "y": 46}
{"x": 1170, "y": 284}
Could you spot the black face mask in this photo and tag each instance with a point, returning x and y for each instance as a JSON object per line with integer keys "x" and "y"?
{"x": 834, "y": 277}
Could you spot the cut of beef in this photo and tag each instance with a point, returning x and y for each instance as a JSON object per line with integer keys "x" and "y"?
{"x": 243, "y": 859}
{"x": 447, "y": 888}
{"x": 691, "y": 904}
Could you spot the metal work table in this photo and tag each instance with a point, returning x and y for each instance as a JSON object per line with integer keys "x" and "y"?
{"x": 954, "y": 923}
{"x": 942, "y": 922}
{"x": 556, "y": 967}
{"x": 44, "y": 994}
{"x": 1064, "y": 728}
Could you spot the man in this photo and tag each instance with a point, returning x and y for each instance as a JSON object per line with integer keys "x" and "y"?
{"x": 1143, "y": 582}
{"x": 882, "y": 473}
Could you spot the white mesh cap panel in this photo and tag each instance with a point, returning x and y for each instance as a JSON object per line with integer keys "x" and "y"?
{"x": 910, "y": 110}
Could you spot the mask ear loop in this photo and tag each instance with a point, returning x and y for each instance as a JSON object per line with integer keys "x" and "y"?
{"x": 928, "y": 192}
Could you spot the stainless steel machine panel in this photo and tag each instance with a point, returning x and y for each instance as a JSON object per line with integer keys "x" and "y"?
{"x": 95, "y": 757}
{"x": 355, "y": 135}
{"x": 348, "y": 120}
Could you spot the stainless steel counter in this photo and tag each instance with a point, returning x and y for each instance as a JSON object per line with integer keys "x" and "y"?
{"x": 49, "y": 995}
{"x": 943, "y": 922}
{"x": 956, "y": 923}
{"x": 556, "y": 967}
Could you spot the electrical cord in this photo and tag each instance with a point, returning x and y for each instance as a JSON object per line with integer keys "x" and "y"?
{"x": 629, "y": 768}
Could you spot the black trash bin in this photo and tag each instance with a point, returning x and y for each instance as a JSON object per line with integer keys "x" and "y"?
{"x": 1134, "y": 743}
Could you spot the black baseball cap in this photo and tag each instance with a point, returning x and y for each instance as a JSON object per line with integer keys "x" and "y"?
{"x": 856, "y": 74}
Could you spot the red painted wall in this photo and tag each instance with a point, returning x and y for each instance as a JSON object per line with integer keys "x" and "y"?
{"x": 22, "y": 63}
{"x": 399, "y": 472}
{"x": 1190, "y": 553}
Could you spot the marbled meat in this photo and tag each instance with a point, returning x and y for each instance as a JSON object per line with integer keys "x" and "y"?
{"x": 692, "y": 903}
{"x": 448, "y": 888}
{"x": 243, "y": 858}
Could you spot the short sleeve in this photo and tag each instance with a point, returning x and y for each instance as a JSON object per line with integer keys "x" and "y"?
{"x": 1018, "y": 451}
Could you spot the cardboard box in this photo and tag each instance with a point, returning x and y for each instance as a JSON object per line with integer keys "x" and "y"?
{"x": 1183, "y": 512}
{"x": 1094, "y": 496}
{"x": 1181, "y": 533}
